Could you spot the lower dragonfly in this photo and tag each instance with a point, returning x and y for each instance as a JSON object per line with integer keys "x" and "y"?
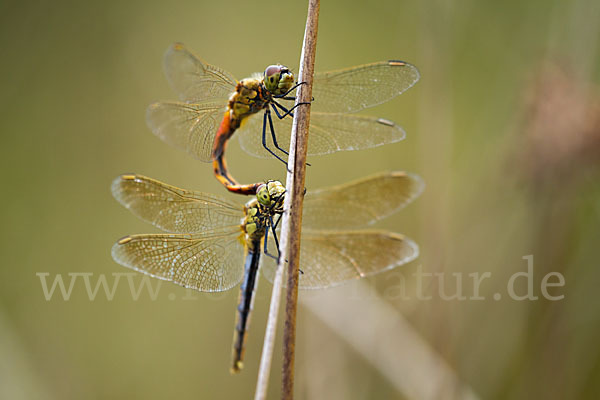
{"x": 214, "y": 106}
{"x": 214, "y": 243}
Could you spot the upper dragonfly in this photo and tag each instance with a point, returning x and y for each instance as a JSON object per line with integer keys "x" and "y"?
{"x": 197, "y": 125}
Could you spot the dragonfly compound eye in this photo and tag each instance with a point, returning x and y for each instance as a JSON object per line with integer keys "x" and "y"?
{"x": 263, "y": 196}
{"x": 272, "y": 76}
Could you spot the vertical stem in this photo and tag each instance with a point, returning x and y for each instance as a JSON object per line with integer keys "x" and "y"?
{"x": 291, "y": 223}
{"x": 295, "y": 180}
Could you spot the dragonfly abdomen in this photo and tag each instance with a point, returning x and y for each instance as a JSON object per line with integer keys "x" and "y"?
{"x": 249, "y": 98}
{"x": 245, "y": 304}
{"x": 226, "y": 129}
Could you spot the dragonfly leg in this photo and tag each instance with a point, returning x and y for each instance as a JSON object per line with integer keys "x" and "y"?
{"x": 265, "y": 247}
{"x": 285, "y": 95}
{"x": 273, "y": 226}
{"x": 273, "y": 136}
{"x": 290, "y": 91}
{"x": 293, "y": 98}
{"x": 264, "y": 136}
{"x": 277, "y": 240}
{"x": 277, "y": 222}
{"x": 285, "y": 110}
{"x": 273, "y": 104}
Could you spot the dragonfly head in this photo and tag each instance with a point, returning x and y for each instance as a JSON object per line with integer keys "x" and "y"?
{"x": 270, "y": 195}
{"x": 278, "y": 79}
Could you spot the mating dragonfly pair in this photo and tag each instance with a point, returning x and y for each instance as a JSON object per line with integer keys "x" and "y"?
{"x": 212, "y": 243}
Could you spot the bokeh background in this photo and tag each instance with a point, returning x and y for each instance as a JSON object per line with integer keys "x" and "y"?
{"x": 504, "y": 127}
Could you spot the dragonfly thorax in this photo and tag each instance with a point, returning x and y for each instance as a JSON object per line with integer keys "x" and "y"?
{"x": 250, "y": 97}
{"x": 255, "y": 221}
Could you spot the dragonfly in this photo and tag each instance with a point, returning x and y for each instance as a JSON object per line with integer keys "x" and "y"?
{"x": 213, "y": 106}
{"x": 213, "y": 244}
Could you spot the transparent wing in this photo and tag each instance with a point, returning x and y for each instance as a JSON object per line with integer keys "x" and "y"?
{"x": 328, "y": 133}
{"x": 175, "y": 210}
{"x": 331, "y": 258}
{"x": 360, "y": 202}
{"x": 356, "y": 88}
{"x": 188, "y": 127}
{"x": 195, "y": 81}
{"x": 207, "y": 262}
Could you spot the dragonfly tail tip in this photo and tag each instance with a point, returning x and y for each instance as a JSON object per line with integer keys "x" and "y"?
{"x": 237, "y": 367}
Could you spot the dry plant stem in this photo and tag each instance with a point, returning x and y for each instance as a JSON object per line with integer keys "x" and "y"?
{"x": 297, "y": 179}
{"x": 292, "y": 220}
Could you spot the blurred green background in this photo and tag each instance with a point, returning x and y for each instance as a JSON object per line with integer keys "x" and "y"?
{"x": 504, "y": 127}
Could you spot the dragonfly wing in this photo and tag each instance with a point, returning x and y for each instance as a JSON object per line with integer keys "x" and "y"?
{"x": 356, "y": 88}
{"x": 329, "y": 132}
{"x": 360, "y": 202}
{"x": 188, "y": 127}
{"x": 331, "y": 258}
{"x": 342, "y": 132}
{"x": 195, "y": 81}
{"x": 173, "y": 209}
{"x": 208, "y": 263}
